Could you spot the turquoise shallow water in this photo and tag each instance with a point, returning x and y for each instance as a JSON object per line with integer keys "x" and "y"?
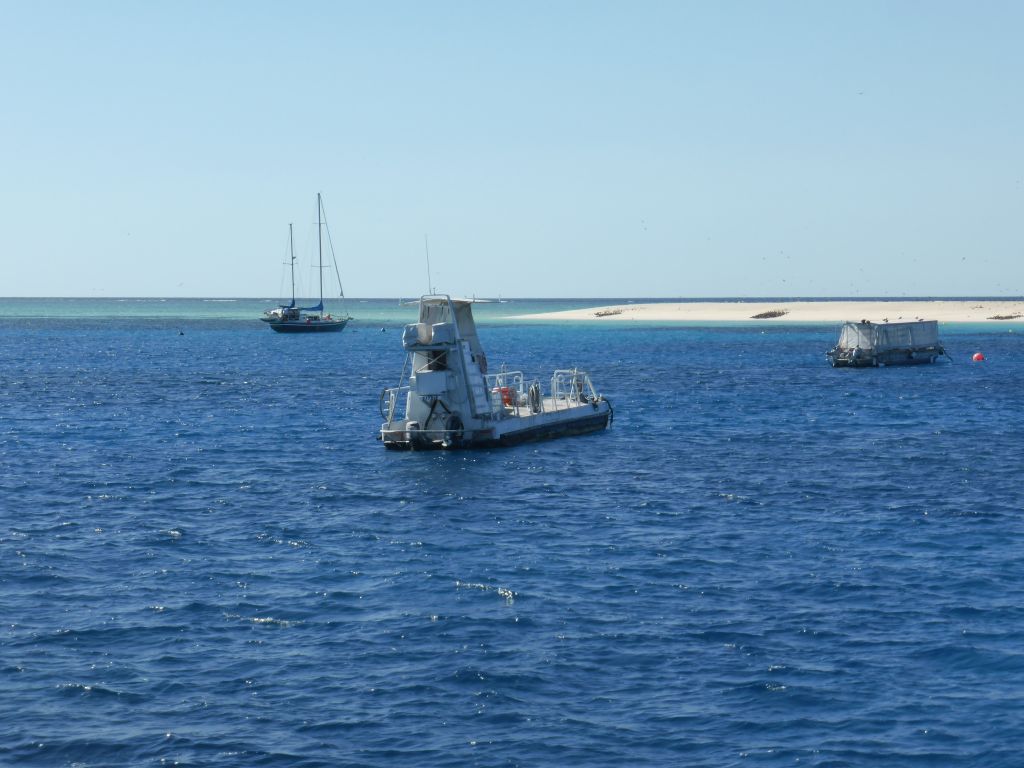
{"x": 208, "y": 559}
{"x": 369, "y": 311}
{"x": 366, "y": 311}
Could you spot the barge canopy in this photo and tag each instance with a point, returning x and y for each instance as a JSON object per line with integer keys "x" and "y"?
{"x": 884, "y": 336}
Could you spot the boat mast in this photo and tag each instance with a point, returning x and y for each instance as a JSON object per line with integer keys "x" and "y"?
{"x": 291, "y": 252}
{"x": 320, "y": 248}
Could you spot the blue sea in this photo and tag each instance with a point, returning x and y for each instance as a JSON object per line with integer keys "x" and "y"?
{"x": 208, "y": 559}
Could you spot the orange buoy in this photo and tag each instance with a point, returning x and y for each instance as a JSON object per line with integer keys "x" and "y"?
{"x": 978, "y": 357}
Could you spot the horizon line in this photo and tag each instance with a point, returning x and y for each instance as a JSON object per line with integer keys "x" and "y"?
{"x": 681, "y": 299}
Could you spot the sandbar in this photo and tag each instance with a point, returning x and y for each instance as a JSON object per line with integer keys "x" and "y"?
{"x": 796, "y": 311}
{"x": 895, "y": 310}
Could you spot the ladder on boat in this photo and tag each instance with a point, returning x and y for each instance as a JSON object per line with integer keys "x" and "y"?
{"x": 477, "y": 386}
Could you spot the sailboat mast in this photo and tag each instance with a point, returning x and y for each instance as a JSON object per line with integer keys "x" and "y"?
{"x": 291, "y": 253}
{"x": 320, "y": 247}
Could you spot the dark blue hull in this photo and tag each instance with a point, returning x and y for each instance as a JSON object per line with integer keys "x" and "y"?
{"x": 313, "y": 326}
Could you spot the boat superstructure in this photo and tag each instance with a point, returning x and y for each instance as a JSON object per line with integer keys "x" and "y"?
{"x": 289, "y": 318}
{"x": 446, "y": 398}
{"x": 867, "y": 344}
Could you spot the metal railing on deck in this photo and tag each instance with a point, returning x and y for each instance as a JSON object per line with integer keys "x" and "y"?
{"x": 571, "y": 388}
{"x": 506, "y": 391}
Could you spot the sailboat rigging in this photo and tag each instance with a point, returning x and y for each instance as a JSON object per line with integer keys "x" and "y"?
{"x": 289, "y": 318}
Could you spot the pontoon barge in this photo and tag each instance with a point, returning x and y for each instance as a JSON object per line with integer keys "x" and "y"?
{"x": 867, "y": 344}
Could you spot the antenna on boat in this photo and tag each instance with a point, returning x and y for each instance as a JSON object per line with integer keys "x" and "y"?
{"x": 430, "y": 283}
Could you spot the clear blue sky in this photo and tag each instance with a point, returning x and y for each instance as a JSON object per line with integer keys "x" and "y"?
{"x": 547, "y": 148}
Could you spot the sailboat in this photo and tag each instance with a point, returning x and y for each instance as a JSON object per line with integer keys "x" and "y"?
{"x": 289, "y": 318}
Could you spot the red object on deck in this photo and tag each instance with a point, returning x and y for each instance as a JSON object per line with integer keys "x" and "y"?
{"x": 978, "y": 357}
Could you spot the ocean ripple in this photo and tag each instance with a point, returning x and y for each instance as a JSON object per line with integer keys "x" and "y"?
{"x": 209, "y": 560}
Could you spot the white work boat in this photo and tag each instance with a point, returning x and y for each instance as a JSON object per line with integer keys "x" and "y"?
{"x": 450, "y": 401}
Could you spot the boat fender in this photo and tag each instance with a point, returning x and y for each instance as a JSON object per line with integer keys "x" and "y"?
{"x": 534, "y": 398}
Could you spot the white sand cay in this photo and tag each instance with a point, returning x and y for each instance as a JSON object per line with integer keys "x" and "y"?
{"x": 977, "y": 311}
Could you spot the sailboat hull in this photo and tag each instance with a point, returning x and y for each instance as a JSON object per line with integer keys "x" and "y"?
{"x": 311, "y": 326}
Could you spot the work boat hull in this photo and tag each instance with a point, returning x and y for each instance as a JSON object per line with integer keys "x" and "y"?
{"x": 312, "y": 326}
{"x": 580, "y": 420}
{"x": 446, "y": 399}
{"x": 858, "y": 358}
